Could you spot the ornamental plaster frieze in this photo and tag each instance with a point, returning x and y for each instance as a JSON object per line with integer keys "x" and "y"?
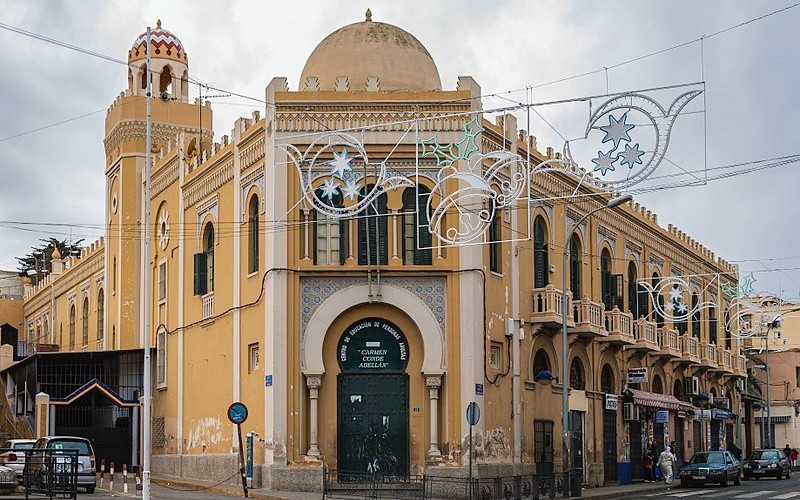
{"x": 254, "y": 178}
{"x": 431, "y": 290}
{"x": 165, "y": 179}
{"x": 209, "y": 184}
{"x": 209, "y": 206}
{"x": 604, "y": 234}
{"x": 136, "y": 130}
{"x": 633, "y": 249}
{"x": 572, "y": 218}
{"x": 381, "y": 118}
{"x": 251, "y": 153}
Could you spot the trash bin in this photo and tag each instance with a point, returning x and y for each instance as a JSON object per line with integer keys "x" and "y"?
{"x": 576, "y": 483}
{"x": 624, "y": 472}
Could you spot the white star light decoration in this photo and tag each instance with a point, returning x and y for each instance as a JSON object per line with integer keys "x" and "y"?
{"x": 341, "y": 170}
{"x": 617, "y": 132}
{"x": 340, "y": 164}
{"x": 676, "y": 308}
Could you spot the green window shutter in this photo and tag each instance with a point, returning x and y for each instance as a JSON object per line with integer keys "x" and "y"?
{"x": 200, "y": 273}
{"x": 342, "y": 241}
{"x": 423, "y": 255}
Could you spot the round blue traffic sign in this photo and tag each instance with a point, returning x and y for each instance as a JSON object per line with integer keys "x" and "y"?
{"x": 237, "y": 413}
{"x": 473, "y": 413}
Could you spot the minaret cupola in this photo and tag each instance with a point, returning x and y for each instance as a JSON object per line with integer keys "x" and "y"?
{"x": 170, "y": 65}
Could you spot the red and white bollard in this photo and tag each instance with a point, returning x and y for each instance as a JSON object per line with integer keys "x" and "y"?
{"x": 102, "y": 471}
{"x": 124, "y": 478}
{"x": 111, "y": 477}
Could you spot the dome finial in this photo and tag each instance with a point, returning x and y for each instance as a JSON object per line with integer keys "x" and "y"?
{"x": 369, "y": 15}
{"x": 158, "y": 24}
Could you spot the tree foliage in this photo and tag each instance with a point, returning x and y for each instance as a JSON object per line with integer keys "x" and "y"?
{"x": 38, "y": 262}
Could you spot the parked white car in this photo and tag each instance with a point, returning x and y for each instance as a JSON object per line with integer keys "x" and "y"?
{"x": 13, "y": 455}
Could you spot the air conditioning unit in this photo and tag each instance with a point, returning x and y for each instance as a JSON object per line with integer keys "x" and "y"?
{"x": 630, "y": 412}
{"x": 693, "y": 387}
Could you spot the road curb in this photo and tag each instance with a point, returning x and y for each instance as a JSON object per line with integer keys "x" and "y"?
{"x": 600, "y": 495}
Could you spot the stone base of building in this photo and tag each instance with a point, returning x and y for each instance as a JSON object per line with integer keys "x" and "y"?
{"x": 291, "y": 477}
{"x": 217, "y": 467}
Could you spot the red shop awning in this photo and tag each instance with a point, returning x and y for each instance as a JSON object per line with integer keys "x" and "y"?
{"x": 654, "y": 400}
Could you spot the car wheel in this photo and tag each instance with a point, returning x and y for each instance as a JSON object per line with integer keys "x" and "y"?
{"x": 90, "y": 490}
{"x": 737, "y": 480}
{"x": 724, "y": 481}
{"x": 685, "y": 483}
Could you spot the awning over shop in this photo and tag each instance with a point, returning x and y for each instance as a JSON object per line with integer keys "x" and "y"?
{"x": 782, "y": 419}
{"x": 655, "y": 400}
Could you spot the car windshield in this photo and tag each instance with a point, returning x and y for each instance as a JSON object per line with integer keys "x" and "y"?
{"x": 81, "y": 446}
{"x": 708, "y": 458}
{"x": 23, "y": 446}
{"x": 764, "y": 455}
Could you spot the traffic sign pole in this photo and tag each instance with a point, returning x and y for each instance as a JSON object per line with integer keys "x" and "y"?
{"x": 237, "y": 414}
{"x": 473, "y": 417}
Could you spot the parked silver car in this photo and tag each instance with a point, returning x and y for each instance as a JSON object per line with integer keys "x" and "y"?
{"x": 87, "y": 474}
{"x": 14, "y": 455}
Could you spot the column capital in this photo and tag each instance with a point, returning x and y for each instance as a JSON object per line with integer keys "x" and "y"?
{"x": 433, "y": 381}
{"x": 313, "y": 380}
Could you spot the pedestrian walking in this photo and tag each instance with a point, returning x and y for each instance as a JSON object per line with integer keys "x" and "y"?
{"x": 666, "y": 462}
{"x": 787, "y": 451}
{"x": 793, "y": 457}
{"x": 648, "y": 466}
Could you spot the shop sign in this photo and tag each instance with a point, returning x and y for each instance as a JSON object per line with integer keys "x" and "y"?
{"x": 661, "y": 417}
{"x": 612, "y": 402}
{"x": 637, "y": 375}
{"x": 681, "y": 414}
{"x": 722, "y": 403}
{"x": 720, "y": 414}
{"x": 373, "y": 345}
{"x": 702, "y": 415}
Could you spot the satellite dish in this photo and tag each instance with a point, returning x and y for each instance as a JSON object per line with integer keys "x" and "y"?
{"x": 191, "y": 149}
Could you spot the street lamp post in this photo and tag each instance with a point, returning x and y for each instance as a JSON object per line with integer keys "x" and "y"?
{"x": 614, "y": 202}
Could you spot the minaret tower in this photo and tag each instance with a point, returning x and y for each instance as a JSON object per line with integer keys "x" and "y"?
{"x": 172, "y": 114}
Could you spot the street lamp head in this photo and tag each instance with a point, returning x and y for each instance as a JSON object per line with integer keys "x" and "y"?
{"x": 757, "y": 406}
{"x": 619, "y": 200}
{"x": 546, "y": 377}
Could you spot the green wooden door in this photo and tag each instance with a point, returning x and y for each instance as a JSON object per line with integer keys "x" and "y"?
{"x": 373, "y": 426}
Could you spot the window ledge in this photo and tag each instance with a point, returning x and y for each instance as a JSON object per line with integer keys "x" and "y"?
{"x": 254, "y": 273}
{"x": 161, "y": 387}
{"x": 496, "y": 274}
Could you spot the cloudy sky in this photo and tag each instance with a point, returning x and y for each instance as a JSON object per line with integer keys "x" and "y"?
{"x": 55, "y": 175}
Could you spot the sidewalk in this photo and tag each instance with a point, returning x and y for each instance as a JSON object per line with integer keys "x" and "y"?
{"x": 625, "y": 490}
{"x": 232, "y": 489}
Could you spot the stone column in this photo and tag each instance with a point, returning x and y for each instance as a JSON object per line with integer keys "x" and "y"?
{"x": 313, "y": 382}
{"x": 42, "y": 415}
{"x": 434, "y": 382}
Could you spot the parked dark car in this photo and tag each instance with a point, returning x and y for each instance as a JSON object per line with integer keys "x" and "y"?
{"x": 711, "y": 467}
{"x": 770, "y": 462}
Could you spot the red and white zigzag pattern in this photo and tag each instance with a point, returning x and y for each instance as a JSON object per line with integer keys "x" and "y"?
{"x": 159, "y": 38}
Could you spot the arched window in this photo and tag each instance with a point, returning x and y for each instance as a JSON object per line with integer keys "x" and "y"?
{"x": 101, "y": 313}
{"x": 607, "y": 379}
{"x": 252, "y": 234}
{"x": 574, "y": 267}
{"x": 658, "y": 386}
{"x": 495, "y": 238}
{"x": 576, "y": 377}
{"x": 85, "y": 322}
{"x": 329, "y": 234}
{"x": 680, "y": 313}
{"x": 72, "y": 327}
{"x": 46, "y": 329}
{"x": 607, "y": 280}
{"x": 165, "y": 81}
{"x": 695, "y": 316}
{"x": 416, "y": 238}
{"x": 726, "y": 327}
{"x": 373, "y": 233}
{"x": 633, "y": 290}
{"x": 677, "y": 388}
{"x": 145, "y": 73}
{"x": 540, "y": 265}
{"x": 541, "y": 362}
{"x": 657, "y": 299}
{"x": 712, "y": 325}
{"x": 204, "y": 263}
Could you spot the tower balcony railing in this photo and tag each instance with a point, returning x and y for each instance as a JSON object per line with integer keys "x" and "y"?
{"x": 619, "y": 326}
{"x": 548, "y": 307}
{"x": 588, "y": 317}
{"x": 208, "y": 305}
{"x": 645, "y": 334}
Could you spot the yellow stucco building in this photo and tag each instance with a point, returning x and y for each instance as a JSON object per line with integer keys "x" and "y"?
{"x": 334, "y": 331}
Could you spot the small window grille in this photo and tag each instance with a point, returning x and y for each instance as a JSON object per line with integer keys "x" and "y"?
{"x": 495, "y": 355}
{"x": 253, "y": 357}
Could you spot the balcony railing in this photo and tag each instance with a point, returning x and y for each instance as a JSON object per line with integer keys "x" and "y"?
{"x": 548, "y": 305}
{"x": 645, "y": 334}
{"x": 709, "y": 354}
{"x": 691, "y": 348}
{"x": 588, "y": 316}
{"x": 741, "y": 369}
{"x": 619, "y": 325}
{"x": 208, "y": 305}
{"x": 668, "y": 341}
{"x": 725, "y": 360}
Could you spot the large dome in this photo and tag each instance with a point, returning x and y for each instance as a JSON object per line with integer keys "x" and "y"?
{"x": 362, "y": 52}
{"x": 163, "y": 43}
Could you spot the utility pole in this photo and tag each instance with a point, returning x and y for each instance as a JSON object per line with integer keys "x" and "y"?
{"x": 146, "y": 404}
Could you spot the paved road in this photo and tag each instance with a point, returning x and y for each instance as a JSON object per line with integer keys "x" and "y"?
{"x": 764, "y": 489}
{"x": 158, "y": 492}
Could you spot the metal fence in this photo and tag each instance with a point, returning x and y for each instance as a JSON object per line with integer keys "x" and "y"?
{"x": 39, "y": 473}
{"x": 342, "y": 485}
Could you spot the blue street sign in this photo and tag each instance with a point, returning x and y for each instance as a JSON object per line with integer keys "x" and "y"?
{"x": 237, "y": 413}
{"x": 473, "y": 413}
{"x": 268, "y": 380}
{"x": 479, "y": 389}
